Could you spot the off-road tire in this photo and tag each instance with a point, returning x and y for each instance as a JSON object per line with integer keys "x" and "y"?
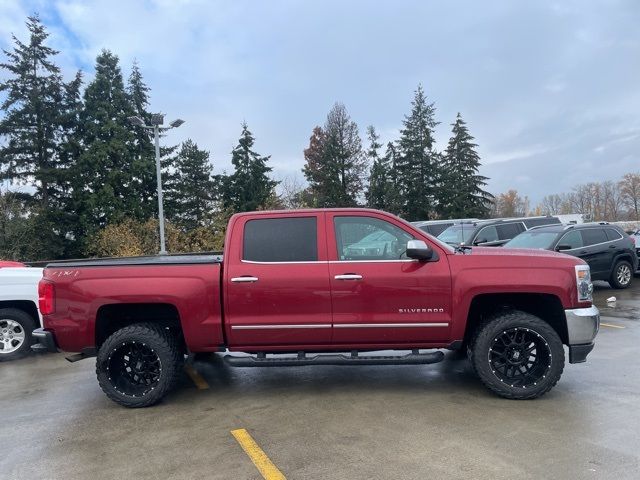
{"x": 27, "y": 323}
{"x": 489, "y": 331}
{"x": 621, "y": 275}
{"x": 158, "y": 340}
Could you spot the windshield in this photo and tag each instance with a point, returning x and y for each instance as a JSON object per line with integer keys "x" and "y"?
{"x": 457, "y": 234}
{"x": 533, "y": 239}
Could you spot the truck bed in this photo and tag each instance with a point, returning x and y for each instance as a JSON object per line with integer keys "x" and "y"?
{"x": 184, "y": 259}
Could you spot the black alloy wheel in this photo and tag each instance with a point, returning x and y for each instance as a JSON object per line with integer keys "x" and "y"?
{"x": 134, "y": 369}
{"x": 520, "y": 357}
{"x": 139, "y": 364}
{"x": 517, "y": 355}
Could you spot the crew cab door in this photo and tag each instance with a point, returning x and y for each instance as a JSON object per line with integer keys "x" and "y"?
{"x": 277, "y": 281}
{"x": 380, "y": 296}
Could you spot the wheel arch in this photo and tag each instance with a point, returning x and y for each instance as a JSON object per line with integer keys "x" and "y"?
{"x": 27, "y": 306}
{"x": 547, "y": 307}
{"x": 113, "y": 317}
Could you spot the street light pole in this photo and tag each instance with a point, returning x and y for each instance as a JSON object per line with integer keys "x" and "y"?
{"x": 163, "y": 246}
{"x": 157, "y": 120}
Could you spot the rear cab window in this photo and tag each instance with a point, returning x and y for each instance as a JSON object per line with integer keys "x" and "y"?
{"x": 284, "y": 239}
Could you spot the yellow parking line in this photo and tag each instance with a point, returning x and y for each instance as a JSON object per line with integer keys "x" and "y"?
{"x": 196, "y": 378}
{"x": 265, "y": 466}
{"x": 610, "y": 325}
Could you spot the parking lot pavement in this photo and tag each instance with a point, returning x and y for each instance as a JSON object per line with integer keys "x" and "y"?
{"x": 400, "y": 422}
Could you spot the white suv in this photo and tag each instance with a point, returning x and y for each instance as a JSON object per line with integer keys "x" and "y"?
{"x": 19, "y": 314}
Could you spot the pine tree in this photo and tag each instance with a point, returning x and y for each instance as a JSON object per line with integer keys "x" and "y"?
{"x": 189, "y": 187}
{"x": 377, "y": 194}
{"x": 39, "y": 120}
{"x": 143, "y": 168}
{"x": 314, "y": 170}
{"x": 249, "y": 187}
{"x": 462, "y": 194}
{"x": 31, "y": 122}
{"x": 104, "y": 186}
{"x": 337, "y": 169}
{"x": 417, "y": 161}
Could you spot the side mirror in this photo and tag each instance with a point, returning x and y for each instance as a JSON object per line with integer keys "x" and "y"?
{"x": 562, "y": 247}
{"x": 480, "y": 241}
{"x": 419, "y": 250}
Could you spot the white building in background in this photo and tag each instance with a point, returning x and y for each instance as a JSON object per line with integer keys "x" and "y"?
{"x": 572, "y": 218}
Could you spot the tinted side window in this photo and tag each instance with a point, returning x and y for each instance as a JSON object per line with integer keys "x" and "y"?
{"x": 573, "y": 239}
{"x": 536, "y": 222}
{"x": 281, "y": 240}
{"x": 365, "y": 238}
{"x": 487, "y": 234}
{"x": 436, "y": 229}
{"x": 612, "y": 234}
{"x": 592, "y": 236}
{"x": 509, "y": 230}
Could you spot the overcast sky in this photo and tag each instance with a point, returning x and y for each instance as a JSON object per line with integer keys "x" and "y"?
{"x": 550, "y": 90}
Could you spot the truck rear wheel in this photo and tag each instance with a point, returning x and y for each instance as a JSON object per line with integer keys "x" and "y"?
{"x": 517, "y": 355}
{"x": 15, "y": 333}
{"x": 138, "y": 365}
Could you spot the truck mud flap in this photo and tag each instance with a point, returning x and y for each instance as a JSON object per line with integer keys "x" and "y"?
{"x": 353, "y": 359}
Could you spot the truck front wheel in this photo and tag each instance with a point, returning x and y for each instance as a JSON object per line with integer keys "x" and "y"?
{"x": 138, "y": 365}
{"x": 517, "y": 355}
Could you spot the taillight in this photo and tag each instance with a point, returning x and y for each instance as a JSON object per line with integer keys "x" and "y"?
{"x": 46, "y": 297}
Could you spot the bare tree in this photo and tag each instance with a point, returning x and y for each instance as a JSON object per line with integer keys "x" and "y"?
{"x": 293, "y": 193}
{"x": 510, "y": 204}
{"x": 612, "y": 202}
{"x": 630, "y": 192}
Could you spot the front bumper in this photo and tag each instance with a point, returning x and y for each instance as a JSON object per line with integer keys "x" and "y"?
{"x": 582, "y": 327}
{"x": 45, "y": 341}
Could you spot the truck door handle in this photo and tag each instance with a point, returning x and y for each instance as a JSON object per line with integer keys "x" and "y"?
{"x": 583, "y": 252}
{"x": 348, "y": 276}
{"x": 612, "y": 246}
{"x": 244, "y": 279}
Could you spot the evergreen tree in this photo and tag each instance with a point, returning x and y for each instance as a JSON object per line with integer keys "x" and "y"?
{"x": 104, "y": 185}
{"x": 249, "y": 187}
{"x": 31, "y": 123}
{"x": 143, "y": 168}
{"x": 337, "y": 166}
{"x": 377, "y": 194}
{"x": 314, "y": 170}
{"x": 394, "y": 197}
{"x": 189, "y": 187}
{"x": 38, "y": 122}
{"x": 417, "y": 161}
{"x": 462, "y": 194}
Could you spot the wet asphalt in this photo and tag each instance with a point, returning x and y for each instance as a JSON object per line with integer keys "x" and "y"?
{"x": 380, "y": 422}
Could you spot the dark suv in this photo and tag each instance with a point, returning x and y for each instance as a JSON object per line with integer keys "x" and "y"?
{"x": 491, "y": 233}
{"x": 606, "y": 248}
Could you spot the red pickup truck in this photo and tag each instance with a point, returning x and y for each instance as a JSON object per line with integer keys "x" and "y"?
{"x": 322, "y": 287}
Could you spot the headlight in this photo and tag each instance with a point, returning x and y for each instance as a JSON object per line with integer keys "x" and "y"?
{"x": 583, "y": 282}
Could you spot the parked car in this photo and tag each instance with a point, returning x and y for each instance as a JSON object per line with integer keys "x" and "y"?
{"x": 635, "y": 237}
{"x": 606, "y": 248}
{"x": 492, "y": 233}
{"x": 436, "y": 227}
{"x": 18, "y": 308}
{"x": 291, "y": 282}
